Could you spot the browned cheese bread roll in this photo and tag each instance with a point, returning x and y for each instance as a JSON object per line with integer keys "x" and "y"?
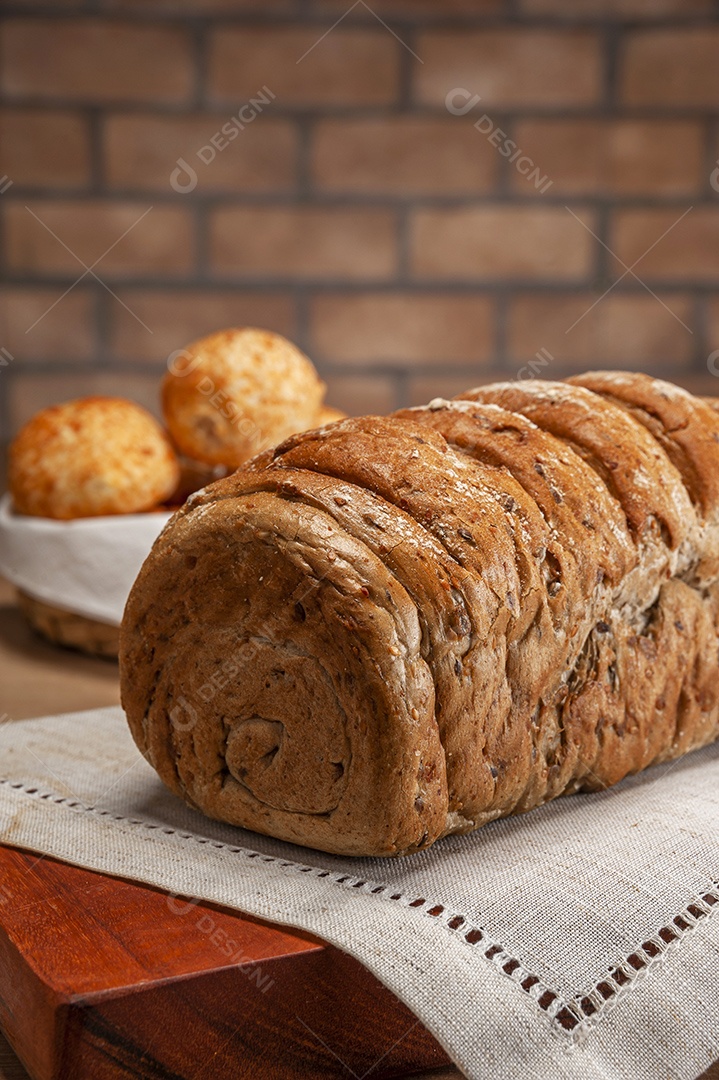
{"x": 393, "y": 629}
{"x": 91, "y": 457}
{"x": 230, "y": 395}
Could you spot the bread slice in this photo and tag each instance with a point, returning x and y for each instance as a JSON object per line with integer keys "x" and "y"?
{"x": 397, "y": 628}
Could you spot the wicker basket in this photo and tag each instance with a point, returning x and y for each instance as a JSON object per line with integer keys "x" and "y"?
{"x": 73, "y": 631}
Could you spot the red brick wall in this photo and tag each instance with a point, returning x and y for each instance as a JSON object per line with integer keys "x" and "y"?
{"x": 408, "y": 247}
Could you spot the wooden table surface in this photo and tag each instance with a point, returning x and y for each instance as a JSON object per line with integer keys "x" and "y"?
{"x": 38, "y": 679}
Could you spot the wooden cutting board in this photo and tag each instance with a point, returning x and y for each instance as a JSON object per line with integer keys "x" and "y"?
{"x": 102, "y": 978}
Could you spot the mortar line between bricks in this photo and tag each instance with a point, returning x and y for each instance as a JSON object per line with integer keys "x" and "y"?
{"x": 302, "y": 315}
{"x": 201, "y": 243}
{"x": 612, "y": 41}
{"x": 604, "y": 263}
{"x": 305, "y": 192}
{"x": 501, "y": 317}
{"x": 505, "y": 170}
{"x": 102, "y": 358}
{"x": 400, "y": 387}
{"x": 334, "y": 285}
{"x": 437, "y": 367}
{"x": 200, "y": 56}
{"x": 703, "y": 347}
{"x": 711, "y": 156}
{"x": 406, "y": 62}
{"x": 499, "y": 112}
{"x": 320, "y": 200}
{"x": 96, "y": 134}
{"x": 507, "y": 19}
{"x": 403, "y": 243}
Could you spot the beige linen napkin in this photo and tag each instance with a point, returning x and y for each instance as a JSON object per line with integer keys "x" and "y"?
{"x": 579, "y": 941}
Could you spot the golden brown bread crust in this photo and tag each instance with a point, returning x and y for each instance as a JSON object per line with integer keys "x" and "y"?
{"x": 621, "y": 451}
{"x": 683, "y": 425}
{"x": 529, "y": 559}
{"x": 644, "y": 689}
{"x": 229, "y": 395}
{"x": 685, "y": 428}
{"x": 91, "y": 457}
